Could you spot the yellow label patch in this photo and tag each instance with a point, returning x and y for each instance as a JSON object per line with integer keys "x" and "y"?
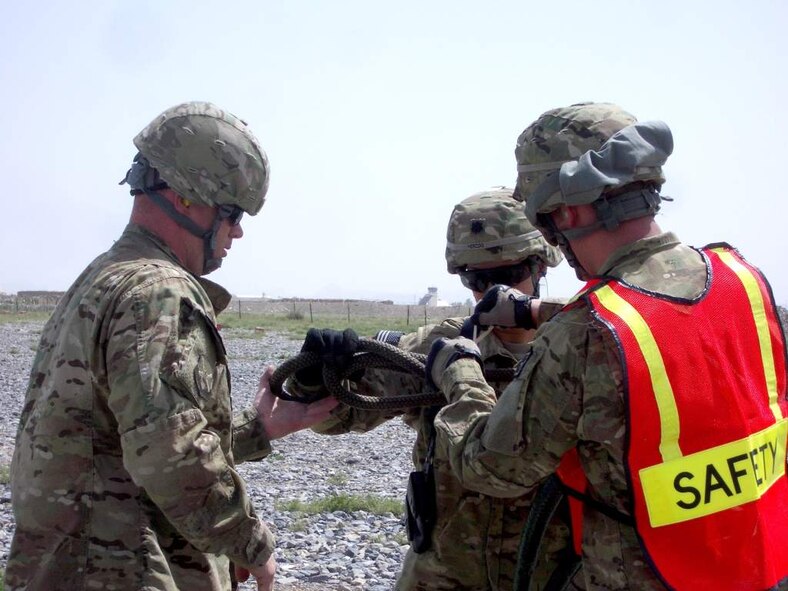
{"x": 715, "y": 479}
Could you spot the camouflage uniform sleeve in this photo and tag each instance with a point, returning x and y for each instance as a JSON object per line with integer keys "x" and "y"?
{"x": 380, "y": 382}
{"x": 169, "y": 393}
{"x": 250, "y": 441}
{"x": 506, "y": 449}
{"x": 549, "y": 307}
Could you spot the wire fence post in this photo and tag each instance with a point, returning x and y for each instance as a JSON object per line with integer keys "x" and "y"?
{"x": 348, "y": 312}
{"x": 407, "y": 320}
{"x": 16, "y": 305}
{"x": 239, "y": 308}
{"x": 311, "y": 320}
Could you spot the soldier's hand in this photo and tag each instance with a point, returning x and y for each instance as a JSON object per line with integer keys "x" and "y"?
{"x": 334, "y": 347}
{"x": 264, "y": 575}
{"x": 504, "y": 307}
{"x": 282, "y": 417}
{"x": 444, "y": 352}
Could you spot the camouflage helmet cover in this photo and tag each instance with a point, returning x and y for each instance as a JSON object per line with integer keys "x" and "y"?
{"x": 491, "y": 227}
{"x": 207, "y": 155}
{"x": 562, "y": 135}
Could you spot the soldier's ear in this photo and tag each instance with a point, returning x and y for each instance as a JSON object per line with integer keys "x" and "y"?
{"x": 181, "y": 204}
{"x": 564, "y": 217}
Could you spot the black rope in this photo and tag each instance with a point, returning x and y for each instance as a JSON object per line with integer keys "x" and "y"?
{"x": 371, "y": 354}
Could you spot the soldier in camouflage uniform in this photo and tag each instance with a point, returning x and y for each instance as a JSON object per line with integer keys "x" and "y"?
{"x": 590, "y": 176}
{"x": 123, "y": 474}
{"x": 473, "y": 545}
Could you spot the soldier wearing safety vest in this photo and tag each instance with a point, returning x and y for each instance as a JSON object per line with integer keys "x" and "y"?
{"x": 662, "y": 383}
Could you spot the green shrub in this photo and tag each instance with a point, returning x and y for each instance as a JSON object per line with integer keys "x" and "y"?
{"x": 348, "y": 503}
{"x": 337, "y": 479}
{"x": 298, "y": 525}
{"x": 5, "y": 475}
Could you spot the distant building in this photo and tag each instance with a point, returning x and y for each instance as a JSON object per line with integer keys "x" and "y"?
{"x": 431, "y": 299}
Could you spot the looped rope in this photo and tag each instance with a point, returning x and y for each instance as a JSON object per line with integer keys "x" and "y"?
{"x": 370, "y": 354}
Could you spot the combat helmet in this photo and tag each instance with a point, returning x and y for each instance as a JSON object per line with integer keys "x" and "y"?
{"x": 490, "y": 227}
{"x": 562, "y": 135}
{"x": 590, "y": 153}
{"x": 206, "y": 155}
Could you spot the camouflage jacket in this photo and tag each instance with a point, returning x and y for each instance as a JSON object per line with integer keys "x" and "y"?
{"x": 568, "y": 392}
{"x": 475, "y": 541}
{"x": 123, "y": 473}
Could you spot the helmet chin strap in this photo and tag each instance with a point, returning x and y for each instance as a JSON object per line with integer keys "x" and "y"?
{"x": 559, "y": 238}
{"x": 143, "y": 177}
{"x": 537, "y": 272}
{"x": 208, "y": 237}
{"x": 611, "y": 212}
{"x": 211, "y": 263}
{"x": 571, "y": 258}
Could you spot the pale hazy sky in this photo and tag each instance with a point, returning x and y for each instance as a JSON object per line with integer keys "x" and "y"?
{"x": 377, "y": 118}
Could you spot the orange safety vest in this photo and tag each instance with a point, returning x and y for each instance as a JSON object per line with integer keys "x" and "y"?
{"x": 705, "y": 389}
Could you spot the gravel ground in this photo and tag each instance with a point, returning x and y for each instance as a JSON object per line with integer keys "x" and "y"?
{"x": 330, "y": 551}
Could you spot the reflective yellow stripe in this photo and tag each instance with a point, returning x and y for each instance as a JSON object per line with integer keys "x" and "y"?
{"x": 663, "y": 391}
{"x": 755, "y": 296}
{"x": 715, "y": 479}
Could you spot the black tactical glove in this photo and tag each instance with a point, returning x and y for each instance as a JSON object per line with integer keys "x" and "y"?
{"x": 505, "y": 307}
{"x": 468, "y": 328}
{"x": 334, "y": 347}
{"x": 444, "y": 352}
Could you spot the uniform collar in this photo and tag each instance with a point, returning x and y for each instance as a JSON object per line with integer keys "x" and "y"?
{"x": 219, "y": 296}
{"x": 638, "y": 250}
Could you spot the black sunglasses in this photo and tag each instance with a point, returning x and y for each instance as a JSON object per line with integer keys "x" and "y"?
{"x": 480, "y": 279}
{"x": 232, "y": 213}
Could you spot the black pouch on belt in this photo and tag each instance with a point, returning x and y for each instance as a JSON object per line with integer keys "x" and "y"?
{"x": 420, "y": 501}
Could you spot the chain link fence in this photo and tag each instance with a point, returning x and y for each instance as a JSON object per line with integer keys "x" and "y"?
{"x": 344, "y": 309}
{"x": 20, "y": 304}
{"x": 295, "y": 308}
